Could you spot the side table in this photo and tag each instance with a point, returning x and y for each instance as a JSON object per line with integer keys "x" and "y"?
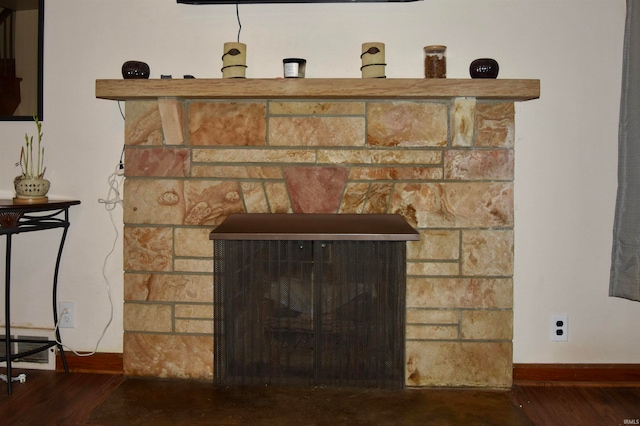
{"x": 21, "y": 217}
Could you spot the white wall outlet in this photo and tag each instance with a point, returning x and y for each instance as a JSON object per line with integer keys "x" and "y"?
{"x": 559, "y": 328}
{"x": 67, "y": 314}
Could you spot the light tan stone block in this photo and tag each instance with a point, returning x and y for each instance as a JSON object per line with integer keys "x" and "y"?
{"x": 435, "y": 245}
{"x": 193, "y": 242}
{"x": 487, "y": 325}
{"x": 495, "y": 164}
{"x": 147, "y": 249}
{"x": 354, "y": 198}
{"x": 194, "y": 311}
{"x": 432, "y": 332}
{"x": 316, "y": 131}
{"x": 227, "y": 124}
{"x": 463, "y": 113}
{"x": 194, "y": 326}
{"x": 316, "y": 108}
{"x": 147, "y": 317}
{"x": 407, "y": 124}
{"x": 476, "y": 364}
{"x": 168, "y": 287}
{"x": 432, "y": 316}
{"x": 278, "y": 197}
{"x": 395, "y": 173}
{"x": 142, "y": 124}
{"x": 238, "y": 172}
{"x": 433, "y": 268}
{"x": 255, "y": 199}
{"x": 448, "y": 293}
{"x": 378, "y": 198}
{"x": 255, "y": 155}
{"x": 170, "y": 356}
{"x": 157, "y": 201}
{"x": 172, "y": 115}
{"x": 455, "y": 204}
{"x": 379, "y": 156}
{"x": 193, "y": 265}
{"x": 209, "y": 202}
{"x": 495, "y": 124}
{"x": 487, "y": 252}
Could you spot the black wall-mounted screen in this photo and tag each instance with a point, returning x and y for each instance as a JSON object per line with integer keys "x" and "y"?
{"x": 288, "y": 1}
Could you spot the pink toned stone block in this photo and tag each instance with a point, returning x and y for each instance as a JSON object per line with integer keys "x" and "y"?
{"x": 407, "y": 124}
{"x": 142, "y": 124}
{"x": 170, "y": 356}
{"x": 227, "y": 124}
{"x": 315, "y": 189}
{"x": 316, "y": 131}
{"x": 159, "y": 162}
{"x": 432, "y": 332}
{"x": 479, "y": 165}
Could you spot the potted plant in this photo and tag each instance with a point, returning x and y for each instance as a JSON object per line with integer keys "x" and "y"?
{"x": 31, "y": 186}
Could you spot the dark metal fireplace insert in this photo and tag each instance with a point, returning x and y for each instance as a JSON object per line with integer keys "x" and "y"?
{"x": 310, "y": 299}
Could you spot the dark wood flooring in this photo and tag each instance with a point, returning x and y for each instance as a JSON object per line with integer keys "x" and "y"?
{"x": 54, "y": 398}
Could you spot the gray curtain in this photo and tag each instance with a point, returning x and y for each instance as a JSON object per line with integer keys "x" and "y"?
{"x": 625, "y": 258}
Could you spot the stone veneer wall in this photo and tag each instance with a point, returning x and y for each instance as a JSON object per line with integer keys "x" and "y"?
{"x": 445, "y": 165}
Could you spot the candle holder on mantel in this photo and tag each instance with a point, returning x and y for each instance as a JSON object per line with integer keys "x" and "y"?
{"x": 234, "y": 60}
{"x": 372, "y": 60}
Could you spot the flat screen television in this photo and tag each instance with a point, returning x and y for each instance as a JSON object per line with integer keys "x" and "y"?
{"x": 288, "y": 1}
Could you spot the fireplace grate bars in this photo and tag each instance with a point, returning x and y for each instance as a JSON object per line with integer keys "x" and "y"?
{"x": 309, "y": 312}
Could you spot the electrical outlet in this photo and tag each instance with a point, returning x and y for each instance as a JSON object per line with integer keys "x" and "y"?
{"x": 67, "y": 314}
{"x": 559, "y": 328}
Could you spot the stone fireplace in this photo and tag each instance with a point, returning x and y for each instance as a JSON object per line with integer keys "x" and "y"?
{"x": 439, "y": 153}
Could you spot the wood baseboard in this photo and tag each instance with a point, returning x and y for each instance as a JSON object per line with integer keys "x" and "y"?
{"x": 100, "y": 363}
{"x": 614, "y": 374}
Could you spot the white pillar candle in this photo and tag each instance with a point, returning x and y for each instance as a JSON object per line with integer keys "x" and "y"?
{"x": 372, "y": 56}
{"x": 234, "y": 60}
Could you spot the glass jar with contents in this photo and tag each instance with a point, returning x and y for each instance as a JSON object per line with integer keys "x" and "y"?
{"x": 435, "y": 61}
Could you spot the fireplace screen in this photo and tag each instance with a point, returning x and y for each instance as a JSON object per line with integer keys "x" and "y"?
{"x": 309, "y": 312}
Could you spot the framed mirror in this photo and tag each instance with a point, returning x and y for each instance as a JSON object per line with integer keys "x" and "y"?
{"x": 21, "y": 52}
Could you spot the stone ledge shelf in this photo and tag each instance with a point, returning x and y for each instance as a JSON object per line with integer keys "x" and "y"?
{"x": 335, "y": 88}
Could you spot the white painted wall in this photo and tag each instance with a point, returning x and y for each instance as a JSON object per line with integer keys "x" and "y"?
{"x": 566, "y": 148}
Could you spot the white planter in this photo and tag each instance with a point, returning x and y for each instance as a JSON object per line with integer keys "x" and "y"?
{"x": 31, "y": 190}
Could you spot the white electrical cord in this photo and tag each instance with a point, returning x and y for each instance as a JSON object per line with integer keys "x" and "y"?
{"x": 111, "y": 202}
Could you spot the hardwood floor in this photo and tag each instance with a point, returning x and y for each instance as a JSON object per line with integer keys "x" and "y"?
{"x": 54, "y": 398}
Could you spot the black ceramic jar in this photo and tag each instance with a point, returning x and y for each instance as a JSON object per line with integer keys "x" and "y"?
{"x": 484, "y": 68}
{"x": 135, "y": 69}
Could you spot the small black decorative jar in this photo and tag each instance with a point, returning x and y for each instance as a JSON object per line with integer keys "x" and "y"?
{"x": 135, "y": 69}
{"x": 484, "y": 68}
